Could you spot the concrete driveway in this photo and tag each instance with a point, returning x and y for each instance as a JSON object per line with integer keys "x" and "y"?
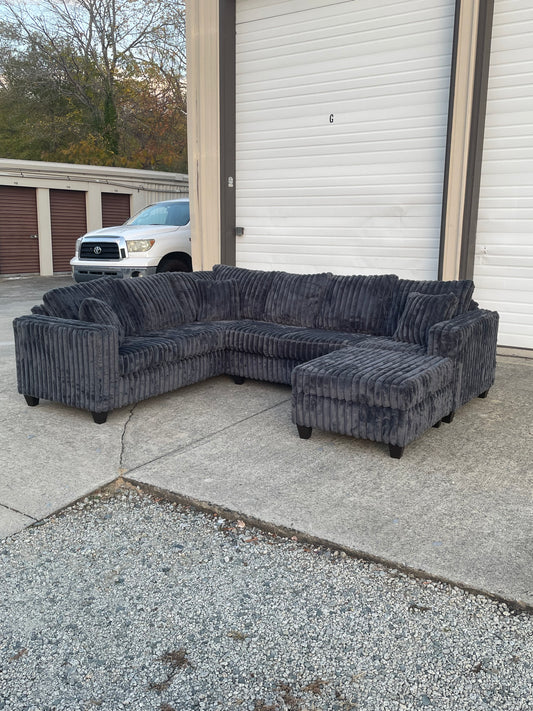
{"x": 457, "y": 506}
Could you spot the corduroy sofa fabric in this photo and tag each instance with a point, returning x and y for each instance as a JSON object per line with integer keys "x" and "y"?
{"x": 294, "y": 299}
{"x": 97, "y": 311}
{"x": 358, "y": 304}
{"x": 374, "y": 377}
{"x": 371, "y": 356}
{"x": 377, "y": 395}
{"x": 278, "y": 341}
{"x": 218, "y": 300}
{"x": 254, "y": 286}
{"x": 421, "y": 311}
{"x": 462, "y": 289}
{"x": 138, "y": 353}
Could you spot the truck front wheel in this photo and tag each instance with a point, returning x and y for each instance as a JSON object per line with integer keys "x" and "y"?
{"x": 174, "y": 264}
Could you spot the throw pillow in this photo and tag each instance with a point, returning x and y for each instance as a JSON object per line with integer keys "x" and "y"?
{"x": 97, "y": 311}
{"x": 422, "y": 311}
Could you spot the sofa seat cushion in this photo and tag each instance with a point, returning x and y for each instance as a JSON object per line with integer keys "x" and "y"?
{"x": 357, "y": 304}
{"x": 138, "y": 353}
{"x": 387, "y": 343}
{"x": 276, "y": 340}
{"x": 374, "y": 377}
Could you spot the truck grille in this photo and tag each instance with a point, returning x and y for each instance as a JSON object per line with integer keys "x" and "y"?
{"x": 99, "y": 250}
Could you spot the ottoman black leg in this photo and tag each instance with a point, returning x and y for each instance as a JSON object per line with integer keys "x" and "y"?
{"x": 438, "y": 424}
{"x": 32, "y": 401}
{"x": 238, "y": 379}
{"x": 484, "y": 394}
{"x": 449, "y": 418}
{"x": 304, "y": 432}
{"x": 99, "y": 417}
{"x": 395, "y": 451}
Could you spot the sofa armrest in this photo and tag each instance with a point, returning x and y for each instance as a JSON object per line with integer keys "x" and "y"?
{"x": 470, "y": 341}
{"x": 73, "y": 362}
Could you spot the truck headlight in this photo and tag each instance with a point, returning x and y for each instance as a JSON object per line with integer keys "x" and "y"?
{"x": 140, "y": 245}
{"x": 78, "y": 246}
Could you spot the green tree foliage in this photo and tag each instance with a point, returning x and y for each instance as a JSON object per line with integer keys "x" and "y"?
{"x": 94, "y": 81}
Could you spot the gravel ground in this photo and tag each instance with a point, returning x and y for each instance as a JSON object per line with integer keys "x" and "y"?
{"x": 125, "y": 602}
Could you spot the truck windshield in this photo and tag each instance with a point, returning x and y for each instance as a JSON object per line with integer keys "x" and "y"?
{"x": 163, "y": 213}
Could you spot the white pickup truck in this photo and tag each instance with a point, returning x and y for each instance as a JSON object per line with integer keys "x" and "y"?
{"x": 156, "y": 239}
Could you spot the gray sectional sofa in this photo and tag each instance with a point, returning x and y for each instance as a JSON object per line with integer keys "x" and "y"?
{"x": 374, "y": 357}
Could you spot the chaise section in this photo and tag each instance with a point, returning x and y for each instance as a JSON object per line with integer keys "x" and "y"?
{"x": 384, "y": 396}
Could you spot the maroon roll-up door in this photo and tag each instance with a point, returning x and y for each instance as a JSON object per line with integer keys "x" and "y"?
{"x": 69, "y": 221}
{"x": 115, "y": 209}
{"x": 19, "y": 244}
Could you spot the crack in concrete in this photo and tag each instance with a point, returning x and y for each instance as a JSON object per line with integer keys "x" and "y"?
{"x": 10, "y": 508}
{"x": 121, "y": 468}
{"x": 201, "y": 440}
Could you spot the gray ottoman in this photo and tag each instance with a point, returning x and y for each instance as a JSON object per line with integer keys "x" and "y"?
{"x": 381, "y": 395}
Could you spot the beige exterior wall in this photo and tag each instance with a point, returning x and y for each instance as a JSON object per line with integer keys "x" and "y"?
{"x": 460, "y": 135}
{"x": 44, "y": 222}
{"x": 203, "y": 130}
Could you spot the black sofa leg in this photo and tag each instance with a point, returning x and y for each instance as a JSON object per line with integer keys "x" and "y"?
{"x": 438, "y": 424}
{"x": 304, "y": 432}
{"x": 395, "y": 451}
{"x": 32, "y": 401}
{"x": 238, "y": 379}
{"x": 449, "y": 418}
{"x": 483, "y": 395}
{"x": 99, "y": 417}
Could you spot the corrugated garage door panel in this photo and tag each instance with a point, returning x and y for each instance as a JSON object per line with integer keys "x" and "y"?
{"x": 69, "y": 221}
{"x": 115, "y": 209}
{"x": 503, "y": 270}
{"x": 341, "y": 129}
{"x": 19, "y": 250}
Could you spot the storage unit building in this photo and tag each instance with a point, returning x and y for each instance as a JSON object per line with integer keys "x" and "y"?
{"x": 45, "y": 207}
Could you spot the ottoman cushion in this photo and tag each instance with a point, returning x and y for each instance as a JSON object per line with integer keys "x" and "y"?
{"x": 374, "y": 377}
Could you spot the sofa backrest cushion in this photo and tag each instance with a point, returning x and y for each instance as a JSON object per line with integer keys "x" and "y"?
{"x": 146, "y": 304}
{"x": 294, "y": 299}
{"x": 219, "y": 300}
{"x": 462, "y": 289}
{"x": 254, "y": 286}
{"x": 357, "y": 303}
{"x": 185, "y": 286}
{"x": 97, "y": 311}
{"x": 422, "y": 311}
{"x": 65, "y": 301}
{"x": 141, "y": 305}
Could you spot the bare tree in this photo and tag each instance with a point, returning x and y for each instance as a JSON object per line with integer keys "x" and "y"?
{"x": 95, "y": 44}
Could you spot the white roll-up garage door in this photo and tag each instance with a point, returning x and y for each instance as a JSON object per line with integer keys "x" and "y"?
{"x": 341, "y": 134}
{"x": 503, "y": 270}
